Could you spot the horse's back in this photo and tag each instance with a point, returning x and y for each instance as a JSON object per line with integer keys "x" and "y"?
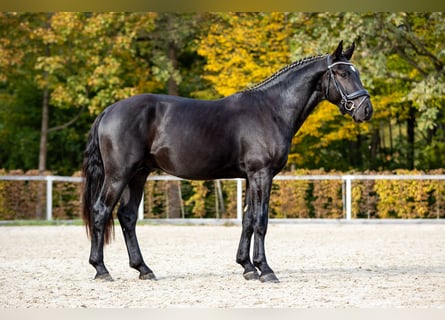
{"x": 189, "y": 138}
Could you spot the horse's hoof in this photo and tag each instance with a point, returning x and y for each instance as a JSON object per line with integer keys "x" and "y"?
{"x": 147, "y": 276}
{"x": 269, "y": 277}
{"x": 251, "y": 275}
{"x": 103, "y": 277}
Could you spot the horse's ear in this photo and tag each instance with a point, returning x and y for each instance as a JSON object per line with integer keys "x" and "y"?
{"x": 348, "y": 53}
{"x": 338, "y": 52}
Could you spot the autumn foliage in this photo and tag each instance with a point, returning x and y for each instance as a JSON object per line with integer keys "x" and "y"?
{"x": 238, "y": 56}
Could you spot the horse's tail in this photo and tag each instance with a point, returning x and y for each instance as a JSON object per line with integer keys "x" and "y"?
{"x": 93, "y": 174}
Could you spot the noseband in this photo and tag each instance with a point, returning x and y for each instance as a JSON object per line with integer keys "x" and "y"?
{"x": 346, "y": 99}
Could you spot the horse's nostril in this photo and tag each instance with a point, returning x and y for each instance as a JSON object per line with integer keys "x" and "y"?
{"x": 368, "y": 110}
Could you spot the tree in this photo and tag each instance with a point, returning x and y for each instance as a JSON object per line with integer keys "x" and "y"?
{"x": 76, "y": 60}
{"x": 409, "y": 82}
{"x": 401, "y": 59}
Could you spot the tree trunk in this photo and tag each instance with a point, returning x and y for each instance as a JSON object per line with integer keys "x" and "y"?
{"x": 172, "y": 85}
{"x": 410, "y": 131}
{"x": 375, "y": 143}
{"x": 45, "y": 117}
{"x": 391, "y": 145}
{"x": 44, "y": 132}
{"x": 355, "y": 154}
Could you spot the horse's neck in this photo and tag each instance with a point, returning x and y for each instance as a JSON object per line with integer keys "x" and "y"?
{"x": 296, "y": 95}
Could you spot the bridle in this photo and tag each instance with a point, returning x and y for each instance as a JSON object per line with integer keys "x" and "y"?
{"x": 346, "y": 99}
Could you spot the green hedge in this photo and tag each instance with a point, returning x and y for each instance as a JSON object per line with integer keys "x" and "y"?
{"x": 404, "y": 199}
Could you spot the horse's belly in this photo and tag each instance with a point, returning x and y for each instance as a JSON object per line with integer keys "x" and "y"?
{"x": 197, "y": 163}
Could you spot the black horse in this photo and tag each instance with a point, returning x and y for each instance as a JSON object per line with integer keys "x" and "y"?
{"x": 245, "y": 135}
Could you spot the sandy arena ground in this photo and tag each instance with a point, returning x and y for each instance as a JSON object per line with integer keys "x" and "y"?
{"x": 319, "y": 265}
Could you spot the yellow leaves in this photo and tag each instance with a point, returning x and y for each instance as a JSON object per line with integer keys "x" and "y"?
{"x": 198, "y": 198}
{"x": 405, "y": 198}
{"x": 8, "y": 57}
{"x": 384, "y": 104}
{"x": 243, "y": 49}
{"x": 324, "y": 112}
{"x": 413, "y": 74}
{"x": 347, "y": 131}
{"x": 61, "y": 96}
{"x": 104, "y": 73}
{"x": 66, "y": 23}
{"x": 307, "y": 198}
{"x": 289, "y": 197}
{"x": 98, "y": 23}
{"x": 57, "y": 28}
{"x": 327, "y": 124}
{"x": 50, "y": 63}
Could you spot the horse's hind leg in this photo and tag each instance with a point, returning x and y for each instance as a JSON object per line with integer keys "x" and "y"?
{"x": 102, "y": 214}
{"x": 127, "y": 214}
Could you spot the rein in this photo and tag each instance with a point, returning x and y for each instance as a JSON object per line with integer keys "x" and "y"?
{"x": 346, "y": 99}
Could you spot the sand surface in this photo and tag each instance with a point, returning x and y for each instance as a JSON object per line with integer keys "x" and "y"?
{"x": 319, "y": 265}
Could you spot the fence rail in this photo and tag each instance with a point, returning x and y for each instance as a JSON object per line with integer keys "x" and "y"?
{"x": 346, "y": 186}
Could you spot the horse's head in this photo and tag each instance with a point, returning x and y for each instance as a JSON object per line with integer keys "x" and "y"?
{"x": 342, "y": 86}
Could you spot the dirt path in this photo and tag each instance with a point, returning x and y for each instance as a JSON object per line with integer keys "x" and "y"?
{"x": 332, "y": 265}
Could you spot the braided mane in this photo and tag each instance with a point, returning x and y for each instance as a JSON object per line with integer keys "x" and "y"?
{"x": 292, "y": 66}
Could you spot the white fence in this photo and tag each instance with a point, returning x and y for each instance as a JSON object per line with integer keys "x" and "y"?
{"x": 346, "y": 179}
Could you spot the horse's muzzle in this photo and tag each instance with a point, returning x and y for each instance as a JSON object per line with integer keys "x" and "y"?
{"x": 363, "y": 112}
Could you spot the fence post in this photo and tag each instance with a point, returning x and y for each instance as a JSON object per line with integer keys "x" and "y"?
{"x": 239, "y": 199}
{"x": 348, "y": 202}
{"x": 49, "y": 198}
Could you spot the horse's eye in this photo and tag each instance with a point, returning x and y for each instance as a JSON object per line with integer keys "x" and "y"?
{"x": 343, "y": 74}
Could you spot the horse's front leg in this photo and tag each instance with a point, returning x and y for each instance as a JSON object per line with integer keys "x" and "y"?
{"x": 261, "y": 183}
{"x": 243, "y": 254}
